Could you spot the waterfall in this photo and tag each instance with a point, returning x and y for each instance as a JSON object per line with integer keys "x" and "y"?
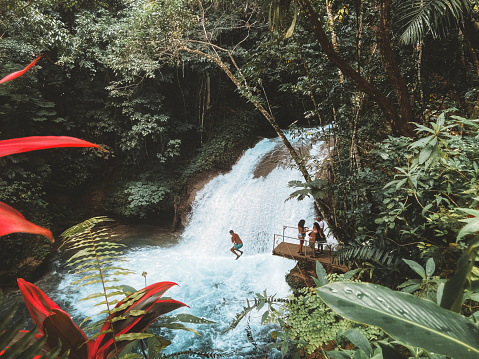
{"x": 210, "y": 281}
{"x": 254, "y": 207}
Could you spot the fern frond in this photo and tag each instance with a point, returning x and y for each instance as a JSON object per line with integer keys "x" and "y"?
{"x": 84, "y": 226}
{"x": 238, "y": 318}
{"x": 95, "y": 261}
{"x": 259, "y": 301}
{"x": 111, "y": 302}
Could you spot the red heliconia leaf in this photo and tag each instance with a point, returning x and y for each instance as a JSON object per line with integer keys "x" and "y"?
{"x": 60, "y": 326}
{"x": 150, "y": 302}
{"x": 16, "y": 74}
{"x": 12, "y": 221}
{"x": 24, "y": 144}
{"x": 55, "y": 322}
{"x": 38, "y": 304}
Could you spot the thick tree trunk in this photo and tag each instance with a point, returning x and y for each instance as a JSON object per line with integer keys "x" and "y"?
{"x": 387, "y": 106}
{"x": 392, "y": 71}
{"x": 475, "y": 60}
{"x": 334, "y": 39}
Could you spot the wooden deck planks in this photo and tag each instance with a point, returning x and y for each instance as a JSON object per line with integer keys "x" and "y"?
{"x": 290, "y": 250}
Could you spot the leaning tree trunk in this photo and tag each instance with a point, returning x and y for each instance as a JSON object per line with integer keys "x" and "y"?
{"x": 244, "y": 88}
{"x": 399, "y": 124}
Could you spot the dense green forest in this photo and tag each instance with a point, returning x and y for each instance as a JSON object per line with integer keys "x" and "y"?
{"x": 170, "y": 89}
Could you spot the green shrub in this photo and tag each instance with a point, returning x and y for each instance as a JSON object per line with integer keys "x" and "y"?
{"x": 308, "y": 319}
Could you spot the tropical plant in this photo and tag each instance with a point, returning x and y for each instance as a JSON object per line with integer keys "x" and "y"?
{"x": 438, "y": 329}
{"x": 133, "y": 314}
{"x": 415, "y": 18}
{"x": 380, "y": 349}
{"x": 415, "y": 213}
{"x": 306, "y": 322}
{"x": 427, "y": 286}
{"x": 95, "y": 262}
{"x": 17, "y": 343}
{"x": 11, "y": 220}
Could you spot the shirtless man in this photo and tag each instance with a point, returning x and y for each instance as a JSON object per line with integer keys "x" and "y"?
{"x": 237, "y": 244}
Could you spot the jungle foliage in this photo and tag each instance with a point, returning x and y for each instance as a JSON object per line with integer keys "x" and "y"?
{"x": 392, "y": 84}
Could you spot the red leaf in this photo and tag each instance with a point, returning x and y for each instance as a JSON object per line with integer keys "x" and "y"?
{"x": 150, "y": 302}
{"x": 24, "y": 144}
{"x": 55, "y": 322}
{"x": 38, "y": 304}
{"x": 12, "y": 221}
{"x": 16, "y": 74}
{"x": 59, "y": 325}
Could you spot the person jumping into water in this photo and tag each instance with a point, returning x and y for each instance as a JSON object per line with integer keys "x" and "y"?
{"x": 237, "y": 244}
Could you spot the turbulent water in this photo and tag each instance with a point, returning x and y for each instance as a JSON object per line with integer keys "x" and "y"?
{"x": 210, "y": 281}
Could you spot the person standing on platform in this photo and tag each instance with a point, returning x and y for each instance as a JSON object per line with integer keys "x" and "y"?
{"x": 321, "y": 237}
{"x": 312, "y": 238}
{"x": 237, "y": 244}
{"x": 301, "y": 235}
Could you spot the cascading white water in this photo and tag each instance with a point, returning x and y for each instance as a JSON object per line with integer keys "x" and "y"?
{"x": 211, "y": 282}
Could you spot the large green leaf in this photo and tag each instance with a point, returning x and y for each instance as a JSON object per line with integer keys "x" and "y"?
{"x": 454, "y": 288}
{"x": 410, "y": 319}
{"x": 321, "y": 274}
{"x": 359, "y": 340}
{"x": 472, "y": 225}
{"x": 416, "y": 267}
{"x": 185, "y": 318}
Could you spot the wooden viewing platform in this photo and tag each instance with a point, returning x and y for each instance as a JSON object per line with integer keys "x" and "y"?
{"x": 287, "y": 246}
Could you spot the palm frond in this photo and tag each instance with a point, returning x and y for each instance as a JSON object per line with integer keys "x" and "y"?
{"x": 314, "y": 188}
{"x": 376, "y": 251}
{"x": 416, "y": 18}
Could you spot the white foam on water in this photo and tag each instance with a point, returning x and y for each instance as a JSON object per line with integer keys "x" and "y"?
{"x": 210, "y": 281}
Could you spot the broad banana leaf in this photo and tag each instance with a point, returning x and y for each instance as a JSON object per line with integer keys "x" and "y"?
{"x": 147, "y": 300}
{"x": 462, "y": 279}
{"x": 412, "y": 320}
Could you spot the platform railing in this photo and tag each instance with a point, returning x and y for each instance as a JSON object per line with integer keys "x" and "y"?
{"x": 278, "y": 238}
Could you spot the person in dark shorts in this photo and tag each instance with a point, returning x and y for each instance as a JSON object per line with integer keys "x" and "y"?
{"x": 237, "y": 244}
{"x": 320, "y": 237}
